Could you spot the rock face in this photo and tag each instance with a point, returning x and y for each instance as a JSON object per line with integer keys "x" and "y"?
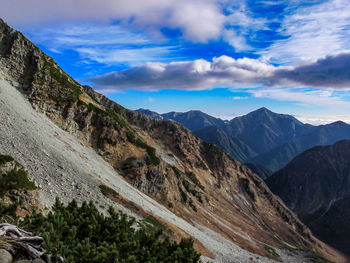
{"x": 212, "y": 194}
{"x": 5, "y": 256}
{"x": 316, "y": 186}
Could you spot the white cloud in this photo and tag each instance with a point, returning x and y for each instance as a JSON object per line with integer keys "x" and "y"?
{"x": 133, "y": 57}
{"x": 313, "y": 32}
{"x": 318, "y": 119}
{"x": 239, "y": 25}
{"x": 199, "y": 20}
{"x": 224, "y": 71}
{"x": 107, "y": 44}
{"x": 240, "y": 98}
{"x": 302, "y": 96}
{"x": 199, "y": 74}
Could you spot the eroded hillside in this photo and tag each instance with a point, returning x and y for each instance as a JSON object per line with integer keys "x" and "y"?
{"x": 205, "y": 188}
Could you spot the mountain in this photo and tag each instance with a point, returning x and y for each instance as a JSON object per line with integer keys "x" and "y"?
{"x": 76, "y": 143}
{"x": 261, "y": 137}
{"x": 232, "y": 145}
{"x": 192, "y": 120}
{"x": 319, "y": 135}
{"x": 150, "y": 113}
{"x": 316, "y": 186}
{"x": 260, "y": 170}
{"x": 263, "y": 130}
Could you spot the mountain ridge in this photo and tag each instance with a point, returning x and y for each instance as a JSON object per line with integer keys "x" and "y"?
{"x": 158, "y": 165}
{"x": 265, "y": 138}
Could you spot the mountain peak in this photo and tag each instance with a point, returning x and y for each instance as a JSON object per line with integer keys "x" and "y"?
{"x": 262, "y": 110}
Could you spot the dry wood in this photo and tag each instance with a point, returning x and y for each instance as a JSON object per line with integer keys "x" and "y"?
{"x": 22, "y": 240}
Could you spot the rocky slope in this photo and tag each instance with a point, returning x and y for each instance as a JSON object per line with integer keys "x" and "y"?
{"x": 191, "y": 186}
{"x": 316, "y": 186}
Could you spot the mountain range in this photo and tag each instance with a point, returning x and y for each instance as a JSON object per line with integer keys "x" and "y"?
{"x": 77, "y": 144}
{"x": 261, "y": 137}
{"x": 316, "y": 186}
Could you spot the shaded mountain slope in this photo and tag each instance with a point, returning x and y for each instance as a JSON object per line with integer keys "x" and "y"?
{"x": 232, "y": 145}
{"x": 316, "y": 186}
{"x": 157, "y": 167}
{"x": 319, "y": 135}
{"x": 260, "y": 170}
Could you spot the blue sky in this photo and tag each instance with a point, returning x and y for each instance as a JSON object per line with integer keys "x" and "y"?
{"x": 223, "y": 57}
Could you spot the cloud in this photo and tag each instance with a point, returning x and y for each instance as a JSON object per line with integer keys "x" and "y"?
{"x": 198, "y": 20}
{"x": 195, "y": 75}
{"x": 106, "y": 44}
{"x": 131, "y": 56}
{"x": 318, "y": 119}
{"x": 331, "y": 71}
{"x": 302, "y": 96}
{"x": 240, "y": 98}
{"x": 311, "y": 31}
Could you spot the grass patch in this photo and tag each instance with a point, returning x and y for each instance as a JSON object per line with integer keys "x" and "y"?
{"x": 272, "y": 251}
{"x": 194, "y": 179}
{"x": 154, "y": 222}
{"x": 62, "y": 79}
{"x": 105, "y": 190}
{"x": 151, "y": 158}
{"x": 317, "y": 258}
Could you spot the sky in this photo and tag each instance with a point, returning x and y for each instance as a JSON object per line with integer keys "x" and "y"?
{"x": 223, "y": 57}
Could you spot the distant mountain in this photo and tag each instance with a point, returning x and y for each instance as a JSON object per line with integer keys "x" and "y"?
{"x": 192, "y": 120}
{"x": 261, "y": 137}
{"x": 263, "y": 130}
{"x": 316, "y": 135}
{"x": 152, "y": 114}
{"x": 316, "y": 186}
{"x": 233, "y": 146}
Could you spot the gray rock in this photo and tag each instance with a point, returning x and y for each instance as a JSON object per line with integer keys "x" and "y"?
{"x": 5, "y": 256}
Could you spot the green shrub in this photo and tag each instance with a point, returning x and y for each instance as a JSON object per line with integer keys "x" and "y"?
{"x": 194, "y": 179}
{"x": 83, "y": 234}
{"x": 183, "y": 195}
{"x": 5, "y": 158}
{"x": 151, "y": 158}
{"x": 8, "y": 210}
{"x": 176, "y": 171}
{"x": 16, "y": 179}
